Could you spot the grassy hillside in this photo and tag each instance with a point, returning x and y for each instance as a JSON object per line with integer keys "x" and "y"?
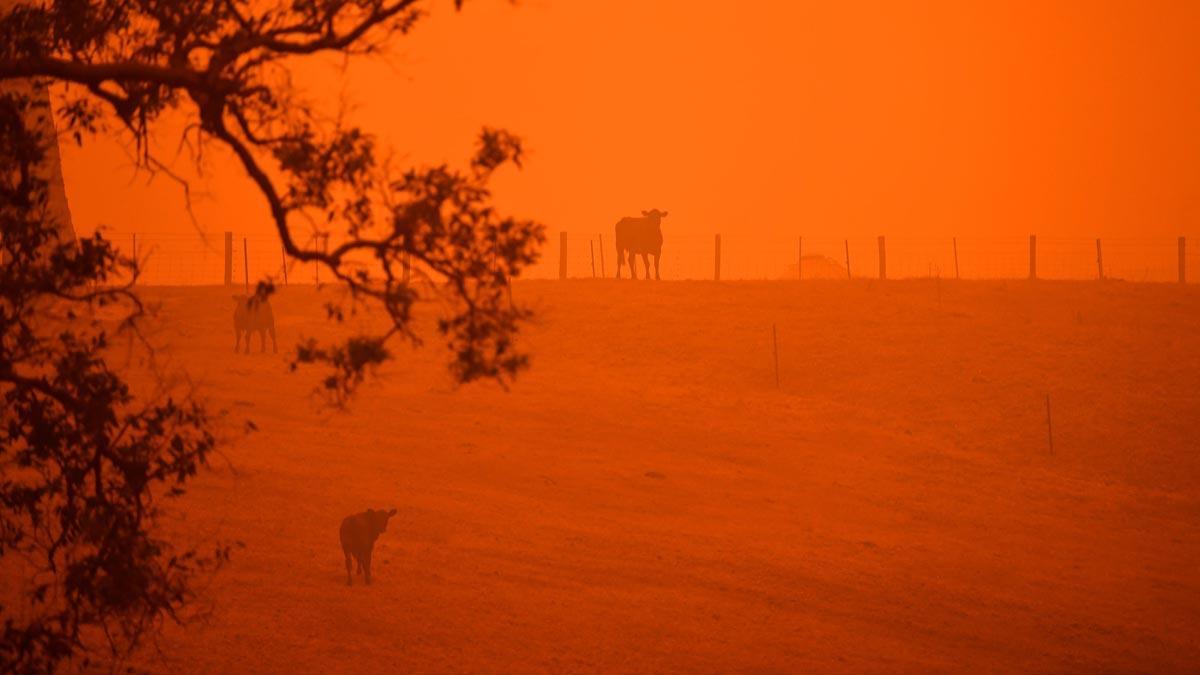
{"x": 646, "y": 498}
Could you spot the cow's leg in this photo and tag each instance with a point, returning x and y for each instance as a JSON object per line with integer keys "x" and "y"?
{"x": 632, "y": 265}
{"x": 620, "y": 259}
{"x": 246, "y": 334}
{"x": 657, "y": 257}
{"x": 274, "y": 344}
{"x": 262, "y": 341}
{"x": 349, "y": 568}
{"x": 646, "y": 262}
{"x": 237, "y": 340}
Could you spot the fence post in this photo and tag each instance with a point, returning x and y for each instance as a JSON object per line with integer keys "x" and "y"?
{"x": 1033, "y": 256}
{"x": 800, "y": 259}
{"x": 228, "y": 258}
{"x": 246, "y": 263}
{"x": 1183, "y": 260}
{"x": 955, "y": 240}
{"x": 602, "y": 272}
{"x": 592, "y": 252}
{"x": 882, "y": 258}
{"x": 717, "y": 260}
{"x": 1099, "y": 260}
{"x": 848, "y": 274}
{"x": 562, "y": 255}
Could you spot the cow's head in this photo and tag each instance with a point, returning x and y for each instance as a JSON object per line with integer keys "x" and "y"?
{"x": 379, "y": 519}
{"x": 655, "y": 214}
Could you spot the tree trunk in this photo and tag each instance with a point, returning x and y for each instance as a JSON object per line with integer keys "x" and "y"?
{"x": 41, "y": 119}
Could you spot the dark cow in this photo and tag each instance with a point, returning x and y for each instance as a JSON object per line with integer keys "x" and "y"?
{"x": 640, "y": 236}
{"x": 253, "y": 314}
{"x": 358, "y": 534}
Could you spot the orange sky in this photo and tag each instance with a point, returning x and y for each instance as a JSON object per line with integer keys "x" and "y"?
{"x": 848, "y": 118}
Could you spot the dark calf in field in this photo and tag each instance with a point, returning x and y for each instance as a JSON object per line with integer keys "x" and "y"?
{"x": 640, "y": 236}
{"x": 253, "y": 314}
{"x": 359, "y": 533}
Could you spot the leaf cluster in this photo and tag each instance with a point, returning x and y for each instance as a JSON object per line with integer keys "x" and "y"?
{"x": 84, "y": 463}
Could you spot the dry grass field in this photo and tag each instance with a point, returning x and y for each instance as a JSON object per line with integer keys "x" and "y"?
{"x": 645, "y": 499}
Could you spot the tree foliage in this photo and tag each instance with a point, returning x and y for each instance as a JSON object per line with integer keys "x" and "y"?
{"x": 84, "y": 464}
{"x": 225, "y": 65}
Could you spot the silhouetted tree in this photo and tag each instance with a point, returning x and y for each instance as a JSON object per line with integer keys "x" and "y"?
{"x": 84, "y": 463}
{"x": 225, "y": 64}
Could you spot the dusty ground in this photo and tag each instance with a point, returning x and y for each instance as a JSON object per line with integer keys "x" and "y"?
{"x": 645, "y": 499}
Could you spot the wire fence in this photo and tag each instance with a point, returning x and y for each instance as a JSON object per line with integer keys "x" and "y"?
{"x": 190, "y": 259}
{"x": 745, "y": 257}
{"x": 173, "y": 259}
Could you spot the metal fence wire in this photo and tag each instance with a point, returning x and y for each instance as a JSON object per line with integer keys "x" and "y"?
{"x": 172, "y": 259}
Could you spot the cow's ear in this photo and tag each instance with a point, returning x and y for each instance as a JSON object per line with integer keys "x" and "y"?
{"x": 645, "y": 213}
{"x": 664, "y": 214}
